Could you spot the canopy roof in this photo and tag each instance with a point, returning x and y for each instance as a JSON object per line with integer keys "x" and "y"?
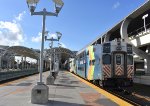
{"x": 24, "y": 51}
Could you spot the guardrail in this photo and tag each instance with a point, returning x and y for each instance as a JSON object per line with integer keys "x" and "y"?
{"x": 16, "y": 74}
{"x": 139, "y": 32}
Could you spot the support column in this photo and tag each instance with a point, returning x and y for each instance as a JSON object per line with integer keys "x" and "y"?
{"x": 22, "y": 64}
{"x": 147, "y": 62}
{"x": 107, "y": 37}
{"x": 13, "y": 61}
{"x": 124, "y": 27}
{"x": 10, "y": 62}
{"x": 101, "y": 40}
{"x": 25, "y": 63}
{"x": 124, "y": 35}
{"x": 50, "y": 79}
{"x": 17, "y": 64}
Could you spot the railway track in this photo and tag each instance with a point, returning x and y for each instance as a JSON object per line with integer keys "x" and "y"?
{"x": 130, "y": 96}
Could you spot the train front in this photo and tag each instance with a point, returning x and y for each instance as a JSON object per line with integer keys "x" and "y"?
{"x": 118, "y": 65}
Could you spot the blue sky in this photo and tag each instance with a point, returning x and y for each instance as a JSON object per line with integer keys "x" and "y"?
{"x": 80, "y": 21}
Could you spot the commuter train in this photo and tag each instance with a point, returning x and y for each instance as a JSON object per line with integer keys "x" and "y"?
{"x": 107, "y": 64}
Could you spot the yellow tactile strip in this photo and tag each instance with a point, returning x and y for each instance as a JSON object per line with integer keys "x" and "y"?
{"x": 105, "y": 93}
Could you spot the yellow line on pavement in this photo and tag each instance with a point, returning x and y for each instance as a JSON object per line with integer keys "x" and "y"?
{"x": 105, "y": 93}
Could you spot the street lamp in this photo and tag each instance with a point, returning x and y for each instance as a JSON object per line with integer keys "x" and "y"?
{"x": 144, "y": 17}
{"x": 59, "y": 35}
{"x": 32, "y": 6}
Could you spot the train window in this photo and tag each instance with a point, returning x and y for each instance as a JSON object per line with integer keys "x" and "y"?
{"x": 90, "y": 62}
{"x": 93, "y": 62}
{"x": 106, "y": 48}
{"x": 129, "y": 49}
{"x": 87, "y": 52}
{"x": 106, "y": 59}
{"x": 129, "y": 59}
{"x": 118, "y": 59}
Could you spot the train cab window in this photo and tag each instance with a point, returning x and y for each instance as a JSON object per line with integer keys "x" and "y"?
{"x": 106, "y": 59}
{"x": 118, "y": 59}
{"x": 106, "y": 48}
{"x": 129, "y": 59}
{"x": 129, "y": 49}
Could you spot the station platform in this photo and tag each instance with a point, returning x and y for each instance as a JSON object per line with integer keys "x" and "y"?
{"x": 143, "y": 79}
{"x": 68, "y": 90}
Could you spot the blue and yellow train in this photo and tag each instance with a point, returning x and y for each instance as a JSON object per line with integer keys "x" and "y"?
{"x": 108, "y": 64}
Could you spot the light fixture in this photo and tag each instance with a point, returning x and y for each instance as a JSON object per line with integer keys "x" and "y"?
{"x": 59, "y": 35}
{"x": 32, "y": 4}
{"x": 146, "y": 15}
{"x": 46, "y": 33}
{"x": 58, "y": 5}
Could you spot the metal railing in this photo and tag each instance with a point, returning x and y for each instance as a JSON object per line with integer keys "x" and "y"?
{"x": 16, "y": 74}
{"x": 139, "y": 32}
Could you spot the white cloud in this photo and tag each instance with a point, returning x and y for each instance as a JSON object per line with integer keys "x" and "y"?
{"x": 63, "y": 45}
{"x": 116, "y": 5}
{"x": 11, "y": 33}
{"x": 53, "y": 35}
{"x": 20, "y": 16}
{"x": 37, "y": 38}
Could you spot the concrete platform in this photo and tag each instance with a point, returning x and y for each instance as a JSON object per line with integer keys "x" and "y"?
{"x": 142, "y": 79}
{"x": 67, "y": 91}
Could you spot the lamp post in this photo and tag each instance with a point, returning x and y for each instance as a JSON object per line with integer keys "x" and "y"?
{"x": 144, "y": 17}
{"x": 35, "y": 97}
{"x": 52, "y": 76}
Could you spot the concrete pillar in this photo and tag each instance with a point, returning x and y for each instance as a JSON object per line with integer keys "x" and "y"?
{"x": 50, "y": 79}
{"x": 124, "y": 35}
{"x": 17, "y": 64}
{"x": 107, "y": 37}
{"x": 147, "y": 62}
{"x": 10, "y": 62}
{"x": 124, "y": 27}
{"x": 25, "y": 63}
{"x": 148, "y": 66}
{"x": 40, "y": 93}
{"x": 101, "y": 40}
{"x": 22, "y": 62}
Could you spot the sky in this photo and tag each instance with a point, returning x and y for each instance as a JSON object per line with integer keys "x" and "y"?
{"x": 80, "y": 21}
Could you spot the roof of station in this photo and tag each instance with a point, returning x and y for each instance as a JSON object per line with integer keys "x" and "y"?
{"x": 136, "y": 23}
{"x": 65, "y": 53}
{"x": 24, "y": 51}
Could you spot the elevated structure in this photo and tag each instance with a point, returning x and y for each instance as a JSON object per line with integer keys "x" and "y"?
{"x": 132, "y": 29}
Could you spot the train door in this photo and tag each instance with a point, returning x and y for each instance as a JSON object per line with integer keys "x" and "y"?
{"x": 119, "y": 64}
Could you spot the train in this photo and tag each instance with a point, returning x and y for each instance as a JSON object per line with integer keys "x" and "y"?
{"x": 107, "y": 64}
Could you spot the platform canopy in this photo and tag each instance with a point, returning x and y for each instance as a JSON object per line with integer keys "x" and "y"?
{"x": 64, "y": 52}
{"x": 23, "y": 51}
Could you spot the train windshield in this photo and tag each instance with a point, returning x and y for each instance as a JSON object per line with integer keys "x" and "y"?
{"x": 129, "y": 59}
{"x": 106, "y": 59}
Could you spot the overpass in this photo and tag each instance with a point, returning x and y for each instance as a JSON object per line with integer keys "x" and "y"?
{"x": 132, "y": 30}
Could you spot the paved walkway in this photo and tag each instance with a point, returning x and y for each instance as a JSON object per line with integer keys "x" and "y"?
{"x": 67, "y": 91}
